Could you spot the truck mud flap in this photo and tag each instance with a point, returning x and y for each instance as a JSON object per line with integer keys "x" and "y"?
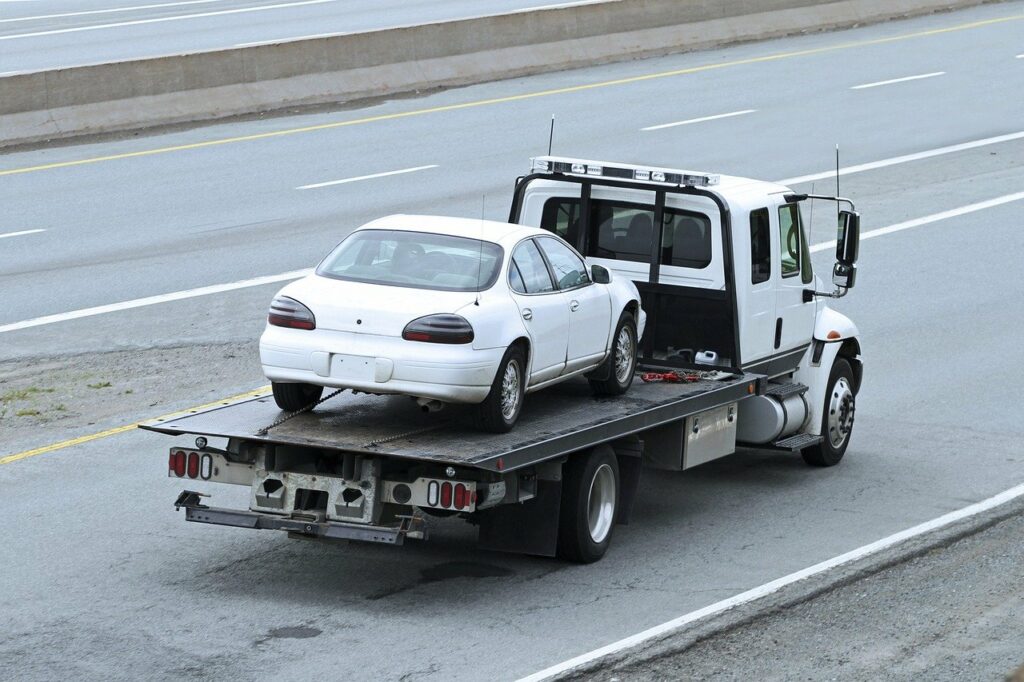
{"x": 390, "y": 535}
{"x": 527, "y": 528}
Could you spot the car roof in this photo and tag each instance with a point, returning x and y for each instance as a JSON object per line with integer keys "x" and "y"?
{"x": 473, "y": 228}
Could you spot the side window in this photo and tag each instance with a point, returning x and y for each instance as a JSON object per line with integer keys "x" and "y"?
{"x": 570, "y": 271}
{"x": 686, "y": 239}
{"x": 530, "y": 270}
{"x": 562, "y": 216}
{"x": 760, "y": 247}
{"x": 789, "y": 239}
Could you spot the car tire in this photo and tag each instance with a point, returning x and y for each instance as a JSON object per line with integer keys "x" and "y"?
{"x": 294, "y": 397}
{"x": 500, "y": 410}
{"x": 590, "y": 504}
{"x": 836, "y": 419}
{"x": 620, "y": 365}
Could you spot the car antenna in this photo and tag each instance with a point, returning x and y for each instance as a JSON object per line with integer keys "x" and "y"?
{"x": 551, "y": 134}
{"x": 480, "y": 257}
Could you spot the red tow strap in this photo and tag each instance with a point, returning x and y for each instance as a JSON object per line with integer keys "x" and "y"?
{"x": 669, "y": 377}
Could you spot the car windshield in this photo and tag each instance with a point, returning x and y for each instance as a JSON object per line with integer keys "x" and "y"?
{"x": 422, "y": 260}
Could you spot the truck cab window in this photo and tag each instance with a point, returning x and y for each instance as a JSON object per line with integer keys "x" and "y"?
{"x": 789, "y": 239}
{"x": 760, "y": 246}
{"x": 562, "y": 216}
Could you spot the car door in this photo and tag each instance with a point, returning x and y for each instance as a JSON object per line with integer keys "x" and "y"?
{"x": 543, "y": 308}
{"x": 589, "y": 305}
{"x": 794, "y": 323}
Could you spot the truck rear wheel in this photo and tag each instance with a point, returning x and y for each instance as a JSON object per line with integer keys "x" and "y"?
{"x": 590, "y": 504}
{"x": 292, "y": 397}
{"x": 836, "y": 419}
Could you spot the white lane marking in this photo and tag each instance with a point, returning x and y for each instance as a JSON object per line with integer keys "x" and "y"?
{"x": 779, "y": 583}
{"x": 1020, "y": 56}
{"x": 151, "y": 300}
{"x": 367, "y": 177}
{"x": 865, "y": 86}
{"x": 157, "y": 20}
{"x": 906, "y": 158}
{"x": 108, "y": 11}
{"x": 699, "y": 120}
{"x": 283, "y": 40}
{"x": 933, "y": 218}
{"x": 18, "y": 234}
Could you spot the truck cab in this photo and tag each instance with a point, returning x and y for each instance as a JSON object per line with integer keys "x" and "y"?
{"x": 724, "y": 269}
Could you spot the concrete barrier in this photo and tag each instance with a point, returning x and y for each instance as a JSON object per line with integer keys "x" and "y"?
{"x": 119, "y": 96}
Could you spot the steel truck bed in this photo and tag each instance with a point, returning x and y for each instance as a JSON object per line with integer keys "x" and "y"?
{"x": 554, "y": 422}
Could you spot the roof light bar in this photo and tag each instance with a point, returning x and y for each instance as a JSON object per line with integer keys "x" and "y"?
{"x": 665, "y": 176}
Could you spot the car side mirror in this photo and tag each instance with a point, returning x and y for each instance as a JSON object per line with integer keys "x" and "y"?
{"x": 600, "y": 274}
{"x": 848, "y": 237}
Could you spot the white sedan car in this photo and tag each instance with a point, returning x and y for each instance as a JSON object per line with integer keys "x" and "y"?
{"x": 450, "y": 310}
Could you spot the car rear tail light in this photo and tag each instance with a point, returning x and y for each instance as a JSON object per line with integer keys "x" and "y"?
{"x": 177, "y": 463}
{"x": 287, "y": 312}
{"x": 441, "y": 328}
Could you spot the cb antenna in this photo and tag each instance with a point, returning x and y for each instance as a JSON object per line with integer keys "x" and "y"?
{"x": 837, "y": 183}
{"x": 551, "y": 134}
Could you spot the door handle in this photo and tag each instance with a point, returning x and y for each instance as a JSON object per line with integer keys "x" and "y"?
{"x": 573, "y": 305}
{"x": 527, "y": 314}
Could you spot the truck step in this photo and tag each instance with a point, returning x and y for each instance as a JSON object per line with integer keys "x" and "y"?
{"x": 797, "y": 442}
{"x": 782, "y": 391}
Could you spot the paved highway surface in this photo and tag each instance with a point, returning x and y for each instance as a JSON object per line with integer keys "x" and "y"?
{"x": 50, "y": 34}
{"x": 101, "y": 575}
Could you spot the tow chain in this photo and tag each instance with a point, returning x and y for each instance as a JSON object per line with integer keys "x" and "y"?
{"x": 296, "y": 413}
{"x": 675, "y": 377}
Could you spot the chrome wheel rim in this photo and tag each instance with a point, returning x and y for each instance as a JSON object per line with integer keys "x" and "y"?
{"x": 841, "y": 407}
{"x": 601, "y": 503}
{"x": 510, "y": 390}
{"x": 624, "y": 355}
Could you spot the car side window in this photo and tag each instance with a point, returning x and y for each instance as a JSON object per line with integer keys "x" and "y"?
{"x": 570, "y": 270}
{"x": 760, "y": 247}
{"x": 528, "y": 274}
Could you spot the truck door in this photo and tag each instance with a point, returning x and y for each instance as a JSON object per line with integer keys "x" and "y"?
{"x": 589, "y": 305}
{"x": 544, "y": 311}
{"x": 757, "y": 316}
{"x": 794, "y": 321}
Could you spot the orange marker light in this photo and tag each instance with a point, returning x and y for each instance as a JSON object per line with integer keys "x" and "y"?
{"x": 833, "y": 335}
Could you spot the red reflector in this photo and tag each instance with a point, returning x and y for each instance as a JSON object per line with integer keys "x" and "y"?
{"x": 446, "y": 494}
{"x": 179, "y": 463}
{"x": 460, "y": 496}
{"x": 418, "y": 336}
{"x": 193, "y": 465}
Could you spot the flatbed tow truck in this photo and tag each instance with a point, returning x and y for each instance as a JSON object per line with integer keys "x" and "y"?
{"x": 740, "y": 350}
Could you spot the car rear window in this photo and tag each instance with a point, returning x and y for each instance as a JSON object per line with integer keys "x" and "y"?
{"x": 422, "y": 260}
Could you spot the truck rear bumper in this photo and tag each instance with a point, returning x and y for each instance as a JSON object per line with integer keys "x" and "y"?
{"x": 412, "y": 527}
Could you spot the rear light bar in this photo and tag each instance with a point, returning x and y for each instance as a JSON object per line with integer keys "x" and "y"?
{"x": 190, "y": 464}
{"x": 440, "y": 328}
{"x": 433, "y": 493}
{"x": 623, "y": 171}
{"x": 287, "y": 312}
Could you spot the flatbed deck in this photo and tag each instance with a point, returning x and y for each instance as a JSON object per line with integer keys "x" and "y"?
{"x": 554, "y": 422}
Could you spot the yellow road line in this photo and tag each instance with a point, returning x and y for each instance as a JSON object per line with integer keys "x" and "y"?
{"x": 514, "y": 98}
{"x": 127, "y": 427}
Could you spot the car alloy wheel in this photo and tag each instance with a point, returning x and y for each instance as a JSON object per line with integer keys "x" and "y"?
{"x": 624, "y": 354}
{"x": 510, "y": 390}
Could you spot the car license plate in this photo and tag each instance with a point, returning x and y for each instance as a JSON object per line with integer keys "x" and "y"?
{"x": 355, "y": 367}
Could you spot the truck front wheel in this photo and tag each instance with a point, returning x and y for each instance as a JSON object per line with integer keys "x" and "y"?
{"x": 293, "y": 397}
{"x": 590, "y": 504}
{"x": 836, "y": 419}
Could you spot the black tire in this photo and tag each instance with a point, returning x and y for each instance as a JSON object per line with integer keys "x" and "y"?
{"x": 292, "y": 397}
{"x": 618, "y": 382}
{"x": 492, "y": 415}
{"x": 836, "y": 418}
{"x": 576, "y": 540}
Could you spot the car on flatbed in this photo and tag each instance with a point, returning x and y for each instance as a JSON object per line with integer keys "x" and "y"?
{"x": 450, "y": 310}
{"x": 740, "y": 350}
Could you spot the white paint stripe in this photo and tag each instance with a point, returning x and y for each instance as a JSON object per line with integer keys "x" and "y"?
{"x": 1020, "y": 56}
{"x": 933, "y": 218}
{"x": 157, "y": 20}
{"x": 850, "y": 170}
{"x": 284, "y": 40}
{"x": 151, "y": 300}
{"x": 776, "y": 585}
{"x": 898, "y": 80}
{"x": 18, "y": 234}
{"x": 699, "y": 120}
{"x": 107, "y": 11}
{"x": 367, "y": 177}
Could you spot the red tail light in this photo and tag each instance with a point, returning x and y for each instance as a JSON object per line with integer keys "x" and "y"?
{"x": 287, "y": 312}
{"x": 446, "y": 494}
{"x": 177, "y": 463}
{"x": 441, "y": 328}
{"x": 461, "y": 498}
{"x": 193, "y": 465}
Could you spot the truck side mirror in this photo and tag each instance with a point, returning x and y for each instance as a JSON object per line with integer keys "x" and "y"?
{"x": 848, "y": 237}
{"x": 600, "y": 274}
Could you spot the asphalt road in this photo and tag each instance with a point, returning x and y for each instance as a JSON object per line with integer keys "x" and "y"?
{"x": 102, "y": 576}
{"x": 51, "y": 34}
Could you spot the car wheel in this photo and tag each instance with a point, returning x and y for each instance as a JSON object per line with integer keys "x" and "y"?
{"x": 590, "y": 503}
{"x": 293, "y": 397}
{"x": 500, "y": 409}
{"x": 836, "y": 418}
{"x": 620, "y": 366}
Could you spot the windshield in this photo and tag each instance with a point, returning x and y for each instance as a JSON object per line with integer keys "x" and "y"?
{"x": 422, "y": 260}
